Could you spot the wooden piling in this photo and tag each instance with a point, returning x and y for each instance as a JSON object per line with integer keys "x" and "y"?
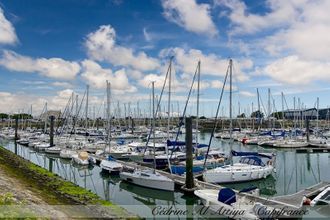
{"x": 16, "y": 128}
{"x": 51, "y": 133}
{"x": 189, "y": 157}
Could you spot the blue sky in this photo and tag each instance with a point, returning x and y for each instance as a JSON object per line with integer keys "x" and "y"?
{"x": 50, "y": 48}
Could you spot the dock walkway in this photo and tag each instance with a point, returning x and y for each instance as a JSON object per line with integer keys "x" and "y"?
{"x": 294, "y": 200}
{"x": 297, "y": 198}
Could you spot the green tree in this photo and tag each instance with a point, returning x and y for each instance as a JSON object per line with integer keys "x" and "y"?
{"x": 257, "y": 114}
{"x": 241, "y": 115}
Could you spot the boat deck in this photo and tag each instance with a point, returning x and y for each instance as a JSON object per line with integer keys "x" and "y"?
{"x": 297, "y": 198}
{"x": 294, "y": 200}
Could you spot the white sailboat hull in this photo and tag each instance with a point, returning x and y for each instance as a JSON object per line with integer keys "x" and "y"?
{"x": 154, "y": 181}
{"x": 291, "y": 144}
{"x": 79, "y": 161}
{"x": 111, "y": 166}
{"x": 209, "y": 198}
{"x": 237, "y": 173}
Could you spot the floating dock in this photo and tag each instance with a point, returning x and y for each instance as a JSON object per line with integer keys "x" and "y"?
{"x": 293, "y": 201}
{"x": 313, "y": 150}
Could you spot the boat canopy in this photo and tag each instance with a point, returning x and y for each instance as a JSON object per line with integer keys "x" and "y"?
{"x": 176, "y": 143}
{"x": 252, "y": 160}
{"x": 227, "y": 196}
{"x": 236, "y": 153}
{"x": 183, "y": 143}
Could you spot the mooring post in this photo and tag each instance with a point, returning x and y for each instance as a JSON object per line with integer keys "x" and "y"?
{"x": 189, "y": 157}
{"x": 307, "y": 129}
{"x": 16, "y": 128}
{"x": 51, "y": 133}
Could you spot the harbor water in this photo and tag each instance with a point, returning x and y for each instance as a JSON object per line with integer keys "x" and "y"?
{"x": 294, "y": 172}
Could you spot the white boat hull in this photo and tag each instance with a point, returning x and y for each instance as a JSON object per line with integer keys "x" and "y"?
{"x": 237, "y": 173}
{"x": 162, "y": 183}
{"x": 209, "y": 198}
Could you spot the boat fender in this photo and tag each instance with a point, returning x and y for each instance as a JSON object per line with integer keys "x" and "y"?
{"x": 270, "y": 162}
{"x": 306, "y": 201}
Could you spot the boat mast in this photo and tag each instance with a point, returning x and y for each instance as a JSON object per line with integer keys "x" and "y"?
{"x": 169, "y": 112}
{"x": 269, "y": 111}
{"x": 46, "y": 118}
{"x": 198, "y": 88}
{"x": 108, "y": 115}
{"x": 230, "y": 101}
{"x": 86, "y": 115}
{"x": 231, "y": 108}
{"x": 317, "y": 114}
{"x": 153, "y": 123}
{"x": 282, "y": 96}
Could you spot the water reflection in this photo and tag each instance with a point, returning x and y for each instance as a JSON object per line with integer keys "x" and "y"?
{"x": 293, "y": 173}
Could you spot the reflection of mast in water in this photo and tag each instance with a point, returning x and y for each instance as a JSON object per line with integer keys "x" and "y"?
{"x": 284, "y": 172}
{"x": 106, "y": 189}
{"x": 50, "y": 164}
{"x": 15, "y": 147}
{"x": 308, "y": 162}
{"x": 148, "y": 196}
{"x": 295, "y": 155}
{"x": 107, "y": 180}
{"x": 318, "y": 167}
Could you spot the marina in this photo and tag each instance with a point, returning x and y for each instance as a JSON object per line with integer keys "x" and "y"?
{"x": 309, "y": 170}
{"x": 170, "y": 109}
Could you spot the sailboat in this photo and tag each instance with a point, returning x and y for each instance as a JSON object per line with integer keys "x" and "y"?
{"x": 227, "y": 199}
{"x": 110, "y": 165}
{"x": 215, "y": 158}
{"x": 149, "y": 178}
{"x": 250, "y": 167}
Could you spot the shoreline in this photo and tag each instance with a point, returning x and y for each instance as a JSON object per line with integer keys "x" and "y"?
{"x": 26, "y": 184}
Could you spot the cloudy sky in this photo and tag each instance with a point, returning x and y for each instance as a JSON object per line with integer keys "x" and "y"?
{"x": 50, "y": 48}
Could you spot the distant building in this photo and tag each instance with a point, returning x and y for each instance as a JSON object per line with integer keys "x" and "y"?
{"x": 310, "y": 113}
{"x": 47, "y": 114}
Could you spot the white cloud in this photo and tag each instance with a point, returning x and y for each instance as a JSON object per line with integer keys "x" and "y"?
{"x": 211, "y": 64}
{"x": 190, "y": 15}
{"x": 297, "y": 71}
{"x": 282, "y": 12}
{"x": 53, "y": 67}
{"x": 7, "y": 30}
{"x": 135, "y": 74}
{"x": 96, "y": 76}
{"x": 101, "y": 46}
{"x": 62, "y": 84}
{"x": 247, "y": 94}
{"x": 297, "y": 27}
{"x": 217, "y": 84}
{"x": 146, "y": 35}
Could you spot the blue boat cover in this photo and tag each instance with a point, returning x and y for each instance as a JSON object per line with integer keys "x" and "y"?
{"x": 252, "y": 160}
{"x": 200, "y": 157}
{"x": 202, "y": 145}
{"x": 175, "y": 143}
{"x": 236, "y": 153}
{"x": 227, "y": 196}
{"x": 110, "y": 158}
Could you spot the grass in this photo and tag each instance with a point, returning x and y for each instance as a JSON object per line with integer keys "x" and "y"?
{"x": 51, "y": 187}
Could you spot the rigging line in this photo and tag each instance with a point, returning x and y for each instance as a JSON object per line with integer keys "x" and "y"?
{"x": 185, "y": 109}
{"x": 74, "y": 124}
{"x": 65, "y": 112}
{"x": 158, "y": 105}
{"x": 98, "y": 111}
{"x": 216, "y": 116}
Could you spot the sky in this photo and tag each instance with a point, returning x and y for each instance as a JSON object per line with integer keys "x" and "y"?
{"x": 49, "y": 49}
